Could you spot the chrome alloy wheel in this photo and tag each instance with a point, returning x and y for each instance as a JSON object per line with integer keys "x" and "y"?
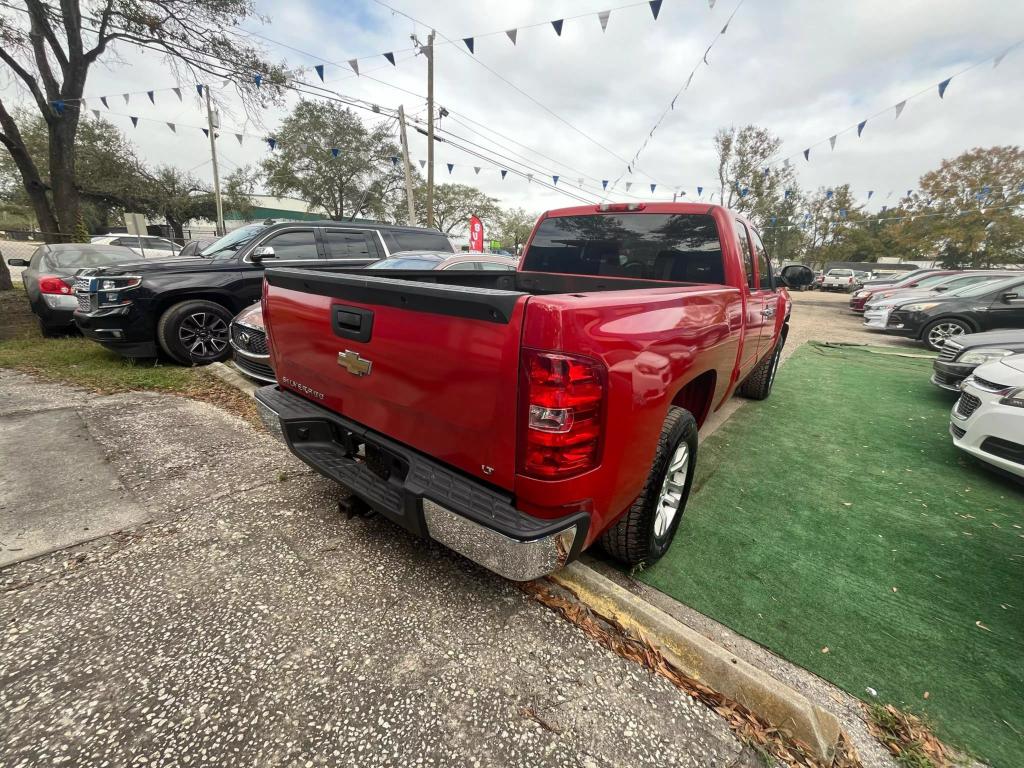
{"x": 938, "y": 335}
{"x": 672, "y": 490}
{"x": 204, "y": 335}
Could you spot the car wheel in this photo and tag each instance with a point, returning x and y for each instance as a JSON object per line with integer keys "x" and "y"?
{"x": 195, "y": 332}
{"x": 936, "y": 332}
{"x": 49, "y": 332}
{"x": 758, "y": 385}
{"x": 643, "y": 534}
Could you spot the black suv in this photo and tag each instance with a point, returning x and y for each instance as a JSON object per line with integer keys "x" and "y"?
{"x": 184, "y": 306}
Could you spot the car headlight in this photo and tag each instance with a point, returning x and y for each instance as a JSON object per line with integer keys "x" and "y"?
{"x": 110, "y": 289}
{"x": 1014, "y": 397}
{"x": 919, "y": 307}
{"x": 861, "y": 294}
{"x": 983, "y": 355}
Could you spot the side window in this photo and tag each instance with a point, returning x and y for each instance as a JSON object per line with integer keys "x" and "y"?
{"x": 764, "y": 267}
{"x": 748, "y": 259}
{"x": 490, "y": 265}
{"x": 342, "y": 244}
{"x": 36, "y": 260}
{"x": 295, "y": 244}
{"x": 465, "y": 265}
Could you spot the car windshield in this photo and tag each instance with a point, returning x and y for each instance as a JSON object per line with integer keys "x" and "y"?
{"x": 232, "y": 241}
{"x": 980, "y": 289}
{"x": 406, "y": 262}
{"x": 73, "y": 258}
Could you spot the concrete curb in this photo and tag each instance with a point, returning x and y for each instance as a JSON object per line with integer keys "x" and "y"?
{"x": 230, "y": 376}
{"x": 705, "y": 661}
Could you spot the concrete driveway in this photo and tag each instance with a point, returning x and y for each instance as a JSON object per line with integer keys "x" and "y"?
{"x": 238, "y": 620}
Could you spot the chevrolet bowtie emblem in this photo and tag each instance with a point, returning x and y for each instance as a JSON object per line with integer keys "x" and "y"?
{"x": 353, "y": 363}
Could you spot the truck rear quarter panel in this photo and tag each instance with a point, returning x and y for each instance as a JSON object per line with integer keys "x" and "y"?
{"x": 653, "y": 343}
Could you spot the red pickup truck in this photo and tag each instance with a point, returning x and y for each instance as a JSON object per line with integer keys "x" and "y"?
{"x": 518, "y": 417}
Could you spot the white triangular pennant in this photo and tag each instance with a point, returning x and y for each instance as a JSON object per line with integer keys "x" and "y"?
{"x": 476, "y": 169}
{"x": 899, "y": 109}
{"x": 423, "y": 163}
{"x": 96, "y": 114}
{"x": 239, "y": 137}
{"x": 512, "y": 35}
{"x": 603, "y": 18}
{"x": 177, "y": 92}
{"x": 171, "y": 126}
{"x": 125, "y": 96}
{"x": 832, "y": 141}
{"x": 354, "y": 63}
{"x": 628, "y": 185}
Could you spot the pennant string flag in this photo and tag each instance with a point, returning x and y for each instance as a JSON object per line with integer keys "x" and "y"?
{"x": 135, "y": 121}
{"x": 152, "y": 98}
{"x": 503, "y": 172}
{"x": 943, "y": 86}
{"x": 652, "y": 187}
{"x": 511, "y": 36}
{"x": 335, "y": 151}
{"x": 423, "y": 163}
{"x": 604, "y": 183}
{"x": 451, "y": 167}
{"x": 354, "y": 63}
{"x": 899, "y": 109}
{"x": 860, "y": 127}
{"x": 656, "y": 8}
{"x": 258, "y": 79}
{"x": 469, "y": 43}
{"x": 239, "y": 137}
{"x": 104, "y": 100}
{"x": 390, "y": 57}
{"x": 171, "y": 126}
{"x": 177, "y": 92}
{"x": 554, "y": 179}
{"x": 557, "y": 24}
{"x": 832, "y": 141}
{"x": 320, "y": 70}
{"x": 199, "y": 89}
{"x": 602, "y": 16}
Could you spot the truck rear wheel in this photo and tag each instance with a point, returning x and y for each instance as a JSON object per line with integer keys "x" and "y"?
{"x": 644, "y": 533}
{"x": 195, "y": 332}
{"x": 758, "y": 384}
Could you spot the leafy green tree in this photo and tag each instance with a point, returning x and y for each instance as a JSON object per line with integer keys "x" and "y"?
{"x": 514, "y": 226}
{"x": 49, "y": 50}
{"x": 363, "y": 180}
{"x": 179, "y": 197}
{"x": 754, "y": 185}
{"x": 454, "y": 204}
{"x": 968, "y": 209}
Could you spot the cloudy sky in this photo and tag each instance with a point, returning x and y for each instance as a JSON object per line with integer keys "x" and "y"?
{"x": 803, "y": 70}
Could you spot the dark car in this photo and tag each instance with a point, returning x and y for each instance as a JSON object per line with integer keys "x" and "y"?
{"x": 184, "y": 307}
{"x": 194, "y": 248}
{"x": 960, "y": 356}
{"x": 984, "y": 307}
{"x": 249, "y": 347}
{"x": 49, "y": 279}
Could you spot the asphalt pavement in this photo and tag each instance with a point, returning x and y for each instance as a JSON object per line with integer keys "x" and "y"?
{"x": 177, "y": 590}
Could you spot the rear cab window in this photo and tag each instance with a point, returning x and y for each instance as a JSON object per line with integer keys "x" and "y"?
{"x": 675, "y": 247}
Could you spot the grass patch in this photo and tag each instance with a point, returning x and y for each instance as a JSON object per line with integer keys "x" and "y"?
{"x": 78, "y": 361}
{"x": 838, "y": 515}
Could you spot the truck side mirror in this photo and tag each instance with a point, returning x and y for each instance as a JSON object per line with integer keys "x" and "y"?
{"x": 796, "y": 276}
{"x": 18, "y": 262}
{"x": 262, "y": 252}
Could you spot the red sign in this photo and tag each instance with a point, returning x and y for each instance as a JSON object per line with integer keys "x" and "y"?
{"x": 476, "y": 235}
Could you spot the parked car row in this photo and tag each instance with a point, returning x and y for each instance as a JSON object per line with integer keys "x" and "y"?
{"x": 936, "y": 305}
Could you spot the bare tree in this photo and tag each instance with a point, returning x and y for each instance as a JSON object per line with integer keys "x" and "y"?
{"x": 50, "y": 49}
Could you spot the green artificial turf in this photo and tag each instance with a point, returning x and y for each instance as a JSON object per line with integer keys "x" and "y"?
{"x": 837, "y": 514}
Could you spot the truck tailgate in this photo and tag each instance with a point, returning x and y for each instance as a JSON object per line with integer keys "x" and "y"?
{"x": 432, "y": 366}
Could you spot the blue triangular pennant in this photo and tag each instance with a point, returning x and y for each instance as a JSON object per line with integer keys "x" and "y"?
{"x": 700, "y": 191}
{"x": 786, "y": 194}
{"x": 451, "y": 166}
{"x": 604, "y": 183}
{"x": 469, "y": 43}
{"x": 58, "y": 106}
{"x": 943, "y": 86}
{"x": 199, "y": 89}
{"x": 503, "y": 172}
{"x": 258, "y": 79}
{"x": 135, "y": 121}
{"x": 652, "y": 187}
{"x": 860, "y": 127}
{"x": 206, "y": 132}
{"x": 555, "y": 180}
{"x": 394, "y": 160}
{"x": 390, "y": 57}
{"x": 828, "y": 194}
{"x": 335, "y": 151}
{"x": 655, "y": 8}
{"x": 152, "y": 98}
{"x": 870, "y": 193}
{"x": 558, "y": 26}
{"x": 104, "y": 100}
{"x": 319, "y": 71}
{"x": 807, "y": 154}
{"x": 271, "y": 142}
{"x": 842, "y": 213}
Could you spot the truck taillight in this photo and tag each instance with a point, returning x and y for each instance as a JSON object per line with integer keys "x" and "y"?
{"x": 561, "y": 414}
{"x": 52, "y": 284}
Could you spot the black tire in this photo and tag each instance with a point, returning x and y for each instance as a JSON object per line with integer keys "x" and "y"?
{"x": 634, "y": 540}
{"x": 195, "y": 332}
{"x": 934, "y": 334}
{"x": 758, "y": 385}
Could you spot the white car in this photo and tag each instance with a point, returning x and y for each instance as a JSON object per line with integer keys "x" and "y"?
{"x": 146, "y": 246}
{"x": 988, "y": 419}
{"x": 840, "y": 280}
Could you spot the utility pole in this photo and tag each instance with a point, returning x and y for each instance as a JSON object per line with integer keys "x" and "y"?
{"x": 430, "y": 129}
{"x": 214, "y": 124}
{"x": 407, "y": 166}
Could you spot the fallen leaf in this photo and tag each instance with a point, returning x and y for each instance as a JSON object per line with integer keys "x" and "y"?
{"x": 847, "y": 503}
{"x": 926, "y": 694}
{"x": 871, "y": 691}
{"x": 894, "y": 589}
{"x": 825, "y": 649}
{"x": 979, "y": 625}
